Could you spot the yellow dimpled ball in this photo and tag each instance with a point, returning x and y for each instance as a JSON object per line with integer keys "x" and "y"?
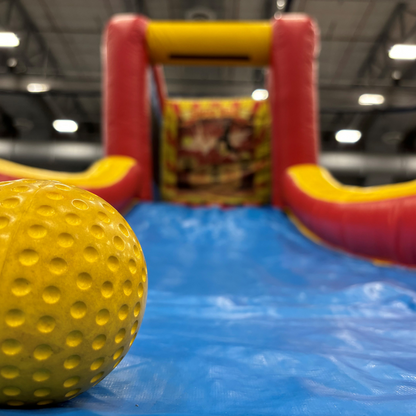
{"x": 73, "y": 291}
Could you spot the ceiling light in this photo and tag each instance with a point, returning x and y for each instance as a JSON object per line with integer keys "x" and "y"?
{"x": 259, "y": 95}
{"x": 348, "y": 136}
{"x": 280, "y": 4}
{"x": 396, "y": 75}
{"x": 403, "y": 52}
{"x": 37, "y": 87}
{"x": 371, "y": 99}
{"x": 12, "y": 62}
{"x": 8, "y": 40}
{"x": 65, "y": 126}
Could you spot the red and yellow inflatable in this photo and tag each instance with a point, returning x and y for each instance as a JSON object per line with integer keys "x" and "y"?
{"x": 224, "y": 151}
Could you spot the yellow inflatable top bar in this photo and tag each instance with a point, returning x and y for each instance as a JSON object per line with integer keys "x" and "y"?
{"x": 318, "y": 183}
{"x": 209, "y": 43}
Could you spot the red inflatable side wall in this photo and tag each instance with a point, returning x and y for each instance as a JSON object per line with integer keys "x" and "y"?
{"x": 293, "y": 97}
{"x": 126, "y": 116}
{"x": 160, "y": 84}
{"x": 379, "y": 229}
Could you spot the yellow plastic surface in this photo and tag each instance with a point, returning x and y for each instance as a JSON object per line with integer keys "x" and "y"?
{"x": 318, "y": 183}
{"x": 103, "y": 173}
{"x": 73, "y": 291}
{"x": 209, "y": 43}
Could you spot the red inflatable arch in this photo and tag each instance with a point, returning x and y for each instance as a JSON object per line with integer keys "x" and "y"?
{"x": 374, "y": 222}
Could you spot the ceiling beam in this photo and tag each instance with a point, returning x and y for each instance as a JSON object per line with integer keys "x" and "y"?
{"x": 377, "y": 63}
{"x": 18, "y": 84}
{"x": 269, "y": 9}
{"x": 43, "y": 55}
{"x": 339, "y": 96}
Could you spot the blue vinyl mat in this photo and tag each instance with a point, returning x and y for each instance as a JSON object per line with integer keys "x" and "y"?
{"x": 245, "y": 316}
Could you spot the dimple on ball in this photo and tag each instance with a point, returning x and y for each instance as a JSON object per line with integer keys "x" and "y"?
{"x": 73, "y": 291}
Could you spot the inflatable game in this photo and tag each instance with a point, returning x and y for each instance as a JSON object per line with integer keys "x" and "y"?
{"x": 246, "y": 315}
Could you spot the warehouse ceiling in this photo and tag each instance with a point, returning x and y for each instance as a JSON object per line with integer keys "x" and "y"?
{"x": 60, "y": 45}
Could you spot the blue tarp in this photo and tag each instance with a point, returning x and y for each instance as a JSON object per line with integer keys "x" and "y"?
{"x": 245, "y": 316}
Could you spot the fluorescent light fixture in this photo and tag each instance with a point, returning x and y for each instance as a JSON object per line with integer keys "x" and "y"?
{"x": 259, "y": 95}
{"x": 348, "y": 136}
{"x": 403, "y": 52}
{"x": 37, "y": 87}
{"x": 8, "y": 40}
{"x": 65, "y": 126}
{"x": 371, "y": 99}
